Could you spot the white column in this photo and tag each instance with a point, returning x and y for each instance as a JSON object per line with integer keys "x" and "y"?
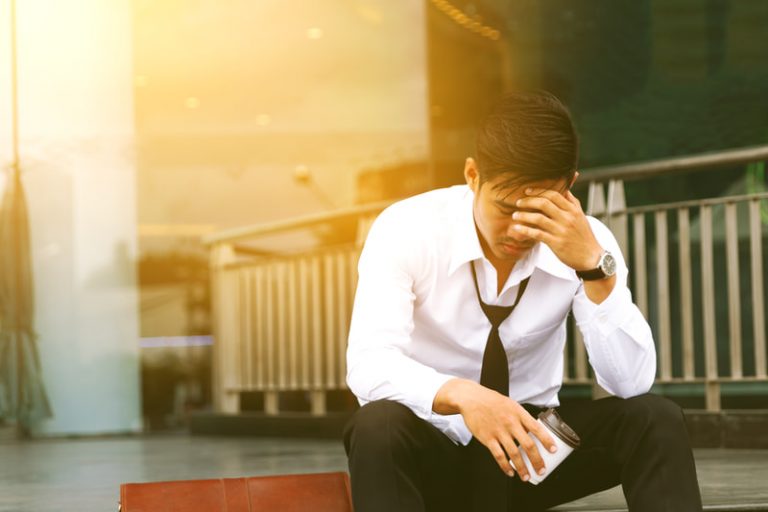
{"x": 76, "y": 128}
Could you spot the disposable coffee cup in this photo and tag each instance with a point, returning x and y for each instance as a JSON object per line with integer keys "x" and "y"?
{"x": 565, "y": 438}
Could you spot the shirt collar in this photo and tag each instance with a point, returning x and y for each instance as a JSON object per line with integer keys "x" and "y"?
{"x": 466, "y": 247}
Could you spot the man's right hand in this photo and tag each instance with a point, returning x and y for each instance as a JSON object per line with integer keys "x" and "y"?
{"x": 497, "y": 421}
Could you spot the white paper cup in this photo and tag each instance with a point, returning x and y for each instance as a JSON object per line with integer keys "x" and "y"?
{"x": 565, "y": 439}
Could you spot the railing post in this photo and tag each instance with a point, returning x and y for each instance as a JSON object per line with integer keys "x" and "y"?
{"x": 616, "y": 215}
{"x": 596, "y": 200}
{"x": 734, "y": 292}
{"x": 364, "y": 223}
{"x": 226, "y": 371}
{"x": 663, "y": 324}
{"x": 712, "y": 386}
{"x": 317, "y": 402}
{"x": 758, "y": 303}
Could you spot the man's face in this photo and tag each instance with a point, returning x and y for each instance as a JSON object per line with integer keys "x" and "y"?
{"x": 493, "y": 209}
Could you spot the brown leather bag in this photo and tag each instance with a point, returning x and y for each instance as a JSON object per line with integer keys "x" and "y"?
{"x": 318, "y": 492}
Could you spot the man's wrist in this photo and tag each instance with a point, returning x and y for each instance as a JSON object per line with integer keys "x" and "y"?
{"x": 593, "y": 260}
{"x": 452, "y": 396}
{"x": 599, "y": 290}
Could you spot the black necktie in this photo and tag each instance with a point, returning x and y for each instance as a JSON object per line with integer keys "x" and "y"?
{"x": 489, "y": 484}
{"x": 495, "y": 370}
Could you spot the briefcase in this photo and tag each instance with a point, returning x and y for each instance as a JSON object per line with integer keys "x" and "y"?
{"x": 317, "y": 492}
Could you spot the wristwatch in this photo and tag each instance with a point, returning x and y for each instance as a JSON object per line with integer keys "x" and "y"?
{"x": 606, "y": 267}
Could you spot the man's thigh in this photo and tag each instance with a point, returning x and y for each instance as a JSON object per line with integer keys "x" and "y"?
{"x": 394, "y": 452}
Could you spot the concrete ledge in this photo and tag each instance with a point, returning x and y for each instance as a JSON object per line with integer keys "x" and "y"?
{"x": 760, "y": 507}
{"x": 286, "y": 425}
{"x": 728, "y": 429}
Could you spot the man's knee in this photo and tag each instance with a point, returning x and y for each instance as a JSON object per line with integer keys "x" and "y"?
{"x": 379, "y": 425}
{"x": 656, "y": 414}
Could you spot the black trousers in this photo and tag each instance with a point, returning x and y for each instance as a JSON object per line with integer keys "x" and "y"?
{"x": 401, "y": 463}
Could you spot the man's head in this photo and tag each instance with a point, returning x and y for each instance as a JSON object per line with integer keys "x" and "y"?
{"x": 528, "y": 140}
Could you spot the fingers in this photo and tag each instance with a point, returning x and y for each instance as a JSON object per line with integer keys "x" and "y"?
{"x": 535, "y": 233}
{"x": 573, "y": 199}
{"x": 528, "y": 445}
{"x": 516, "y": 460}
{"x": 501, "y": 458}
{"x": 512, "y": 436}
{"x": 536, "y": 220}
{"x": 509, "y": 456}
{"x": 524, "y": 435}
{"x": 558, "y": 199}
{"x": 541, "y": 433}
{"x": 541, "y": 204}
{"x": 520, "y": 441}
{"x": 551, "y": 202}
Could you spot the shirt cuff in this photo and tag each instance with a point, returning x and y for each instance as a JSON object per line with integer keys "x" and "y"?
{"x": 453, "y": 426}
{"x": 428, "y": 392}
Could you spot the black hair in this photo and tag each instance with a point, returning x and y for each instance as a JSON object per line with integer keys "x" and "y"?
{"x": 528, "y": 136}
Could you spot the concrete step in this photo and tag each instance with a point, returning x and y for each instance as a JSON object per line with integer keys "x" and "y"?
{"x": 757, "y": 507}
{"x": 726, "y": 429}
{"x": 716, "y": 508}
{"x": 285, "y": 425}
{"x": 730, "y": 480}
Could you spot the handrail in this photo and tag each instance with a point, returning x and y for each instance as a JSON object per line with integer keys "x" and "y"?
{"x": 231, "y": 235}
{"x": 704, "y": 161}
{"x": 700, "y": 162}
{"x": 696, "y": 202}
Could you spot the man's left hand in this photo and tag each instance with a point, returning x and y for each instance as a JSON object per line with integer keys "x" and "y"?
{"x": 558, "y": 220}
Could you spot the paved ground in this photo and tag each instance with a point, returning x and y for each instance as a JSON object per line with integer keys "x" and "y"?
{"x": 84, "y": 475}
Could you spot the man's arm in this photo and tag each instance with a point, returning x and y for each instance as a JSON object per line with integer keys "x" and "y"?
{"x": 617, "y": 336}
{"x": 382, "y": 318}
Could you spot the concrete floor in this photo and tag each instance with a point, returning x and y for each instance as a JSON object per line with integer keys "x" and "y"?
{"x": 84, "y": 475}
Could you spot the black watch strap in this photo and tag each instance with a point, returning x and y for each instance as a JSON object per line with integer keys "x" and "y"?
{"x": 591, "y": 275}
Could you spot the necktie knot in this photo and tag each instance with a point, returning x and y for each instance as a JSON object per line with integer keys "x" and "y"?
{"x": 496, "y": 314}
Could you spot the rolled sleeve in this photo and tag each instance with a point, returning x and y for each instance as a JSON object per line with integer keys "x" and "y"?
{"x": 617, "y": 337}
{"x": 607, "y": 316}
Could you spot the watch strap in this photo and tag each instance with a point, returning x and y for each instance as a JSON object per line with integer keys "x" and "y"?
{"x": 591, "y": 275}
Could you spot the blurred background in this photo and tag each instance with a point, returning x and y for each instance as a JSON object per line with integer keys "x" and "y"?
{"x": 149, "y": 131}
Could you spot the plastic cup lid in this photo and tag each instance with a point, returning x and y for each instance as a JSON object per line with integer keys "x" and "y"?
{"x": 560, "y": 428}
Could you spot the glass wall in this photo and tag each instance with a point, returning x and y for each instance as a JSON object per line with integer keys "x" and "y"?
{"x": 74, "y": 131}
{"x": 644, "y": 79}
{"x": 251, "y": 112}
{"x": 147, "y": 125}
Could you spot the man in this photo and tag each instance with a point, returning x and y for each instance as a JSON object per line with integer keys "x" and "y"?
{"x": 458, "y": 332}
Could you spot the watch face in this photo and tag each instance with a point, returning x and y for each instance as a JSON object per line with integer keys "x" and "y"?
{"x": 608, "y": 264}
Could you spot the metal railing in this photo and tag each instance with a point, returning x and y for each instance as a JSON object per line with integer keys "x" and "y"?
{"x": 281, "y": 320}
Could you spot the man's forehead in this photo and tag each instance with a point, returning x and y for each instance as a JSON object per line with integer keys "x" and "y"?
{"x": 506, "y": 194}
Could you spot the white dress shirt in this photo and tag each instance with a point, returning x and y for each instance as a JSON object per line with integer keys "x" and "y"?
{"x": 417, "y": 323}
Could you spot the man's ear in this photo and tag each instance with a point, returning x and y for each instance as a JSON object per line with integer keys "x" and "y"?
{"x": 575, "y": 177}
{"x": 471, "y": 174}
